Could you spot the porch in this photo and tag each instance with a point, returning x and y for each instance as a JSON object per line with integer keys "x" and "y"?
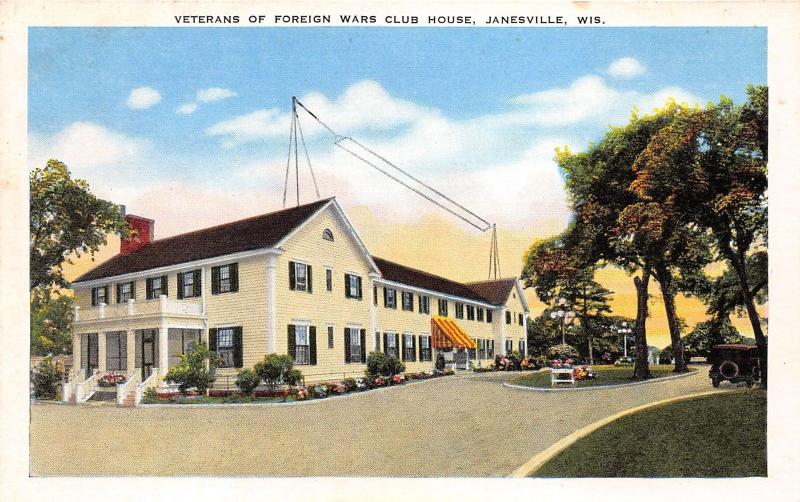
{"x": 453, "y": 346}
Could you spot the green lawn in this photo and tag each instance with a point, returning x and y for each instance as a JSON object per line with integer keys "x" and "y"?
{"x": 235, "y": 399}
{"x": 724, "y": 435}
{"x": 603, "y": 375}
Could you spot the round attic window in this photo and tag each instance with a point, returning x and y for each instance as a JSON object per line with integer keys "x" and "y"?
{"x": 327, "y": 234}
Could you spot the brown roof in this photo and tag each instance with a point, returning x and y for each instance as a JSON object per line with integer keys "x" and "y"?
{"x": 395, "y": 272}
{"x": 257, "y": 232}
{"x": 495, "y": 291}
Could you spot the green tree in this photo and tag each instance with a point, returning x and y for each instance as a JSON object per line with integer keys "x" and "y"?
{"x": 275, "y": 369}
{"x": 65, "y": 218}
{"x": 590, "y": 301}
{"x": 198, "y": 369}
{"x": 51, "y": 324}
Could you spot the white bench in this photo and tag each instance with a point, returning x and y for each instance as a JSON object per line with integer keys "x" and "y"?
{"x": 561, "y": 375}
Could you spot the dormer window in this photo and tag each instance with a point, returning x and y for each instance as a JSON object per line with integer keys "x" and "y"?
{"x": 327, "y": 234}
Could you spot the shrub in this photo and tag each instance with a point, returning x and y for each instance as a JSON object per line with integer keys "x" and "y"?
{"x": 293, "y": 377}
{"x": 46, "y": 379}
{"x": 150, "y": 393}
{"x": 379, "y": 364}
{"x": 482, "y": 369}
{"x": 562, "y": 351}
{"x": 275, "y": 369}
{"x": 350, "y": 384}
{"x": 247, "y": 380}
{"x": 192, "y": 371}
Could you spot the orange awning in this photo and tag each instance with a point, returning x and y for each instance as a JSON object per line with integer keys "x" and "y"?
{"x": 447, "y": 335}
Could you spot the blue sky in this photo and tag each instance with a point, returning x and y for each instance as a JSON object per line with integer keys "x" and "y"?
{"x": 479, "y": 104}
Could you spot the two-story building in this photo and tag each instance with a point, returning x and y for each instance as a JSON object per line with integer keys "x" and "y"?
{"x": 297, "y": 281}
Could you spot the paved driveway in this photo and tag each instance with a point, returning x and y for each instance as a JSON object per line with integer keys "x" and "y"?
{"x": 457, "y": 426}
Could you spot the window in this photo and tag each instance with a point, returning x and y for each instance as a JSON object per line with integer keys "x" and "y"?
{"x": 509, "y": 346}
{"x": 329, "y": 279}
{"x": 156, "y": 286}
{"x": 352, "y": 286}
{"x": 480, "y": 314}
{"x": 408, "y": 301}
{"x": 424, "y": 348}
{"x": 354, "y": 343}
{"x": 302, "y": 346}
{"x": 471, "y": 353}
{"x": 225, "y": 279}
{"x": 470, "y": 313}
{"x": 489, "y": 349}
{"x": 375, "y": 295}
{"x": 521, "y": 321}
{"x": 424, "y": 304}
{"x": 180, "y": 341}
{"x": 522, "y": 347}
{"x": 225, "y": 347}
{"x": 300, "y": 276}
{"x": 389, "y": 299}
{"x": 481, "y": 348}
{"x": 125, "y": 292}
{"x": 459, "y": 310}
{"x": 488, "y": 315}
{"x": 409, "y": 349}
{"x": 189, "y": 284}
{"x": 116, "y": 351}
{"x": 443, "y": 308}
{"x": 390, "y": 341}
{"x": 508, "y": 317}
{"x": 330, "y": 336}
{"x": 99, "y": 295}
{"x": 327, "y": 234}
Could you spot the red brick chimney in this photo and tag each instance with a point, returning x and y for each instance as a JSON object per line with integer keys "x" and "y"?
{"x": 142, "y": 234}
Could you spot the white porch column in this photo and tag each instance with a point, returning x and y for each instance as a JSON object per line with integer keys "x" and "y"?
{"x": 101, "y": 351}
{"x": 373, "y": 319}
{"x": 163, "y": 348}
{"x": 76, "y": 353}
{"x": 130, "y": 343}
{"x": 272, "y": 315}
{"x": 502, "y": 350}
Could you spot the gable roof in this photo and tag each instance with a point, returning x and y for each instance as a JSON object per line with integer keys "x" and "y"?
{"x": 263, "y": 231}
{"x": 495, "y": 291}
{"x": 395, "y": 272}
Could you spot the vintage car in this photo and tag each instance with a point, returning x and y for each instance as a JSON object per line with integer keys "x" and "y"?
{"x": 734, "y": 362}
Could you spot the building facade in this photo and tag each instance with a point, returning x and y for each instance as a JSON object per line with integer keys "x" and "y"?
{"x": 297, "y": 281}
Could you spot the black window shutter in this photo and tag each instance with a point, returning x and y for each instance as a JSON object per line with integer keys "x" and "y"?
{"x": 179, "y": 282}
{"x": 360, "y": 296}
{"x": 237, "y": 347}
{"x": 198, "y": 281}
{"x": 214, "y": 280}
{"x": 401, "y": 347}
{"x": 375, "y": 294}
{"x": 385, "y": 297}
{"x": 346, "y": 345}
{"x": 292, "y": 284}
{"x": 133, "y": 289}
{"x": 94, "y": 297}
{"x": 292, "y": 341}
{"x": 148, "y": 288}
{"x": 309, "y": 282}
{"x": 420, "y": 348}
{"x": 119, "y": 287}
{"x": 312, "y": 343}
{"x": 234, "y": 275}
{"x": 108, "y": 294}
{"x": 347, "y": 285}
{"x": 164, "y": 286}
{"x": 414, "y": 347}
{"x": 419, "y": 300}
{"x": 212, "y": 339}
{"x": 363, "y": 345}
{"x": 385, "y": 343}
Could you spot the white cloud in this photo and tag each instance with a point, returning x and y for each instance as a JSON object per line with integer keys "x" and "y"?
{"x": 214, "y": 94}
{"x": 142, "y": 98}
{"x": 187, "y": 108}
{"x": 86, "y": 145}
{"x": 626, "y": 68}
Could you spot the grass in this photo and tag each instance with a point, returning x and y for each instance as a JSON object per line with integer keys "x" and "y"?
{"x": 724, "y": 435}
{"x": 603, "y": 375}
{"x": 234, "y": 399}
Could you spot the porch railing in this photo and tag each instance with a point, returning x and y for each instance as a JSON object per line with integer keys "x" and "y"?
{"x": 150, "y": 381}
{"x": 124, "y": 389}
{"x": 68, "y": 386}
{"x": 84, "y": 389}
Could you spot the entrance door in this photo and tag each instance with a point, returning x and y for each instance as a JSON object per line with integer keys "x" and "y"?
{"x": 148, "y": 352}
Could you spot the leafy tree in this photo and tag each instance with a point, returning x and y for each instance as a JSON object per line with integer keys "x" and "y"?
{"x": 65, "y": 218}
{"x": 247, "y": 380}
{"x": 51, "y": 324}
{"x": 590, "y": 301}
{"x": 198, "y": 369}
{"x": 379, "y": 364}
{"x": 541, "y": 335}
{"x": 275, "y": 369}
{"x": 46, "y": 379}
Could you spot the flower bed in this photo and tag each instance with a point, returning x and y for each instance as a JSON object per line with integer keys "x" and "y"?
{"x": 110, "y": 379}
{"x": 601, "y": 375}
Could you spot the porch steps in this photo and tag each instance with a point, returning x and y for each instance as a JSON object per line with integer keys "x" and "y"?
{"x": 103, "y": 395}
{"x": 130, "y": 399}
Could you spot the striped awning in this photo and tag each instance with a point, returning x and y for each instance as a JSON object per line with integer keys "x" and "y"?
{"x": 447, "y": 335}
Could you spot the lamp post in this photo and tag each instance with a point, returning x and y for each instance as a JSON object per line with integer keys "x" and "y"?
{"x": 624, "y": 330}
{"x": 565, "y": 315}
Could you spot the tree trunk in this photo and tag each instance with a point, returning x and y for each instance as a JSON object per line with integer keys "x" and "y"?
{"x": 585, "y": 323}
{"x": 664, "y": 277}
{"x": 738, "y": 264}
{"x": 641, "y": 368}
